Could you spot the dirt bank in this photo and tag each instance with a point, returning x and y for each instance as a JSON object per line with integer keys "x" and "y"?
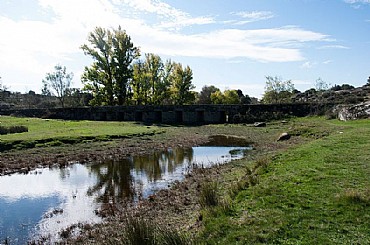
{"x": 28, "y": 159}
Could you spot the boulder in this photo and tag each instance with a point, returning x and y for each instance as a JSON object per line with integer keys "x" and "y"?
{"x": 353, "y": 112}
{"x": 260, "y": 124}
{"x": 284, "y": 136}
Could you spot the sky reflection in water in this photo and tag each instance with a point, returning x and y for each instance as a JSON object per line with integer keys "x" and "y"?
{"x": 47, "y": 200}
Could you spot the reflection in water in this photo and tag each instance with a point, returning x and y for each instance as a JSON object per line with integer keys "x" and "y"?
{"x": 28, "y": 202}
{"x": 131, "y": 178}
{"x": 46, "y": 201}
{"x": 114, "y": 181}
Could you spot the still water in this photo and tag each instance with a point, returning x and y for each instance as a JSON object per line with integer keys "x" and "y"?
{"x": 47, "y": 200}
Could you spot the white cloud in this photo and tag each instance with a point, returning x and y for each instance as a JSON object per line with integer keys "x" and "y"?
{"x": 265, "y": 45}
{"x": 153, "y": 25}
{"x": 308, "y": 65}
{"x": 357, "y": 4}
{"x": 170, "y": 16}
{"x": 327, "y": 62}
{"x": 253, "y": 16}
{"x": 357, "y": 1}
{"x": 333, "y": 47}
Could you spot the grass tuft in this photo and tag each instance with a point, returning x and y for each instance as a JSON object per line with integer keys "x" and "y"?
{"x": 209, "y": 195}
{"x": 141, "y": 231}
{"x": 356, "y": 197}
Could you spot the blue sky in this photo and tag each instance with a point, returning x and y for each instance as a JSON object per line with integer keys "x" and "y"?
{"x": 231, "y": 44}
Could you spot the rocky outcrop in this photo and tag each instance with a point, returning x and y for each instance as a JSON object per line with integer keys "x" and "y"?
{"x": 353, "y": 112}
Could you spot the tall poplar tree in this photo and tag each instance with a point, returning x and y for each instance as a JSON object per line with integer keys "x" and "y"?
{"x": 108, "y": 78}
{"x": 182, "y": 85}
{"x": 152, "y": 80}
{"x": 140, "y": 84}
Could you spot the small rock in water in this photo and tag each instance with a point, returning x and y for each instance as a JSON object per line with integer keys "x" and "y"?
{"x": 284, "y": 136}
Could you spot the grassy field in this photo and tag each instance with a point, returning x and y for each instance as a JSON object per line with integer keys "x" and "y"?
{"x": 311, "y": 189}
{"x": 317, "y": 193}
{"x": 56, "y": 132}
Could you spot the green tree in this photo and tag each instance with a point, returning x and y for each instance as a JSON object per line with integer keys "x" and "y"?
{"x": 217, "y": 97}
{"x": 231, "y": 97}
{"x": 140, "y": 84}
{"x": 163, "y": 93}
{"x": 152, "y": 80}
{"x": 205, "y": 94}
{"x": 124, "y": 53}
{"x": 182, "y": 85}
{"x": 154, "y": 66}
{"x": 160, "y": 78}
{"x": 277, "y": 90}
{"x": 228, "y": 97}
{"x": 244, "y": 99}
{"x": 59, "y": 81}
{"x": 108, "y": 78}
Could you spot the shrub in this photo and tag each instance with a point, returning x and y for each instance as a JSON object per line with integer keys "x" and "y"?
{"x": 17, "y": 129}
{"x": 3, "y": 130}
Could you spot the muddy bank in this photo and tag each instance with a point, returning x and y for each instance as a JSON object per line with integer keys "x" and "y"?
{"x": 28, "y": 159}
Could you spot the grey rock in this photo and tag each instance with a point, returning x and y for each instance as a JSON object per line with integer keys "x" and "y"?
{"x": 353, "y": 112}
{"x": 260, "y": 124}
{"x": 284, "y": 136}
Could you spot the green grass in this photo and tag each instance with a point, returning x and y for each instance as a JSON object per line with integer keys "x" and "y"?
{"x": 56, "y": 132}
{"x": 317, "y": 193}
{"x": 141, "y": 231}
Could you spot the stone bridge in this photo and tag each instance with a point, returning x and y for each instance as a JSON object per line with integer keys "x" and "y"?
{"x": 171, "y": 114}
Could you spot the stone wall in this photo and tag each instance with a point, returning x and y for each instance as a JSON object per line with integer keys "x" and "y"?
{"x": 189, "y": 114}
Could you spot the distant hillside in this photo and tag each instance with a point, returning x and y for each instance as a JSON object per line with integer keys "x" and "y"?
{"x": 339, "y": 94}
{"x": 31, "y": 100}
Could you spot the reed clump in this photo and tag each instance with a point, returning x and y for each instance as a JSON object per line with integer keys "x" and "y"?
{"x": 209, "y": 195}
{"x": 142, "y": 231}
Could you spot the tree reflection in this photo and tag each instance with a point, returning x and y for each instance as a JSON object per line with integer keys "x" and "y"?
{"x": 114, "y": 181}
{"x": 154, "y": 166}
{"x": 125, "y": 179}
